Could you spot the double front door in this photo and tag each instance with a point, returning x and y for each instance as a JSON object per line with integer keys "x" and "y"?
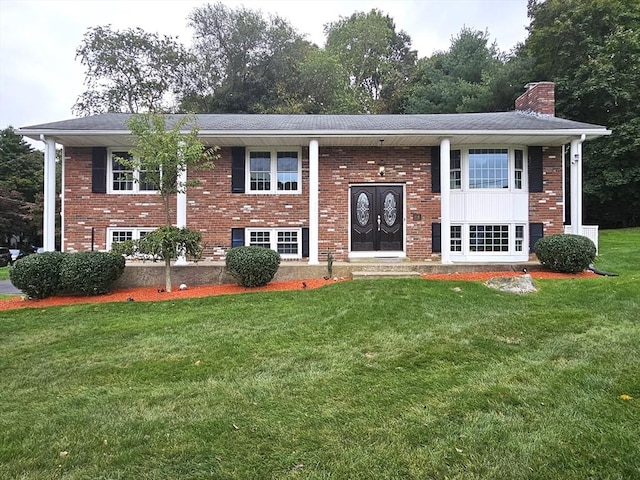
{"x": 376, "y": 218}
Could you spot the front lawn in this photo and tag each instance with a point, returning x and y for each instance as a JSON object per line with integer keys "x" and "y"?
{"x": 4, "y": 273}
{"x": 389, "y": 379}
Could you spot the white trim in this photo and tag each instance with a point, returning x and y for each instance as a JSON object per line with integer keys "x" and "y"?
{"x": 314, "y": 201}
{"x": 445, "y": 199}
{"x": 511, "y": 255}
{"x": 576, "y": 185}
{"x": 134, "y": 230}
{"x": 273, "y": 239}
{"x": 49, "y": 214}
{"x": 136, "y": 176}
{"x": 273, "y": 153}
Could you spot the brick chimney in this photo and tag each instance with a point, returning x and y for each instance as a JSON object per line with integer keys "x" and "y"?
{"x": 540, "y": 97}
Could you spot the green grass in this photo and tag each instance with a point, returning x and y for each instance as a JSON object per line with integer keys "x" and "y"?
{"x": 390, "y": 379}
{"x": 4, "y": 273}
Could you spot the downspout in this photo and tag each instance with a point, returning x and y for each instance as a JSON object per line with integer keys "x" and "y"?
{"x": 576, "y": 185}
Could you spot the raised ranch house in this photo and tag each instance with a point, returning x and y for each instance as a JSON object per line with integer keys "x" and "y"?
{"x": 452, "y": 188}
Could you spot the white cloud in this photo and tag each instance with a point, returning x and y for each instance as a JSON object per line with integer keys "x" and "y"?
{"x": 40, "y": 79}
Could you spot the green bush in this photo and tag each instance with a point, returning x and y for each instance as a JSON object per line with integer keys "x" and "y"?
{"x": 252, "y": 266}
{"x": 38, "y": 275}
{"x": 90, "y": 273}
{"x": 565, "y": 253}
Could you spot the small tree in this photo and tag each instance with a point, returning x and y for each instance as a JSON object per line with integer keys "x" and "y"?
{"x": 160, "y": 155}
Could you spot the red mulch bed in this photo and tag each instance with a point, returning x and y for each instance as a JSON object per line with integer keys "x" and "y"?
{"x": 154, "y": 294}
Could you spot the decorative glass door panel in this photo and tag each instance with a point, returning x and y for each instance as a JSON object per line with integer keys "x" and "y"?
{"x": 376, "y": 218}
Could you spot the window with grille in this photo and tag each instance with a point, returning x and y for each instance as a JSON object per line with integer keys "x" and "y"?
{"x": 274, "y": 171}
{"x": 489, "y": 238}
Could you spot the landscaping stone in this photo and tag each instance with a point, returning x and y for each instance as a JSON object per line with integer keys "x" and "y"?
{"x": 521, "y": 284}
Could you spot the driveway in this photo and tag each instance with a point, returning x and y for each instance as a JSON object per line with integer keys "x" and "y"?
{"x": 7, "y": 287}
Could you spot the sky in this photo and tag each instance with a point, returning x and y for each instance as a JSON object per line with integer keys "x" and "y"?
{"x": 40, "y": 79}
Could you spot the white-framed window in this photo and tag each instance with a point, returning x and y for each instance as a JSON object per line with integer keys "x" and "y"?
{"x": 493, "y": 168}
{"x": 519, "y": 238}
{"x": 455, "y": 170}
{"x": 488, "y": 168}
{"x": 122, "y": 234}
{"x": 286, "y": 241}
{"x": 456, "y": 238}
{"x": 518, "y": 169}
{"x": 123, "y": 180}
{"x": 274, "y": 170}
{"x": 488, "y": 238}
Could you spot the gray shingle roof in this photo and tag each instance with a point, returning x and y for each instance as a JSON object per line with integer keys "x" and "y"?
{"x": 500, "y": 121}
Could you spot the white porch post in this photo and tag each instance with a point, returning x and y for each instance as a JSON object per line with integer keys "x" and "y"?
{"x": 313, "y": 201}
{"x": 181, "y": 207}
{"x": 49, "y": 214}
{"x": 445, "y": 201}
{"x": 576, "y": 186}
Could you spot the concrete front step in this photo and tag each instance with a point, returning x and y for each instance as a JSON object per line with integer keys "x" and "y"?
{"x": 388, "y": 274}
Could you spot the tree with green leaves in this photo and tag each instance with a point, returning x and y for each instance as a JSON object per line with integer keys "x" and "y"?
{"x": 246, "y": 63}
{"x": 21, "y": 186}
{"x": 130, "y": 71}
{"x": 472, "y": 76}
{"x": 163, "y": 150}
{"x": 378, "y": 59}
{"x": 591, "y": 50}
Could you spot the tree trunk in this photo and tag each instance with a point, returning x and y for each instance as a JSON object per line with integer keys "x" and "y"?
{"x": 167, "y": 274}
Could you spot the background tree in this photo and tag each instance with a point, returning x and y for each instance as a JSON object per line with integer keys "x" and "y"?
{"x": 21, "y": 187}
{"x": 245, "y": 63}
{"x": 465, "y": 78}
{"x": 378, "y": 60}
{"x": 161, "y": 151}
{"x": 130, "y": 71}
{"x": 591, "y": 50}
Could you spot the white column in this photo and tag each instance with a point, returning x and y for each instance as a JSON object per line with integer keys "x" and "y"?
{"x": 49, "y": 214}
{"x": 445, "y": 201}
{"x": 576, "y": 186}
{"x": 313, "y": 201}
{"x": 181, "y": 206}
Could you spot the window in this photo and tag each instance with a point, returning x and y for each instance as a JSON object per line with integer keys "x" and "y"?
{"x": 519, "y": 238}
{"x": 274, "y": 171}
{"x": 126, "y": 180}
{"x": 118, "y": 235}
{"x": 488, "y": 168}
{"x": 489, "y": 238}
{"x": 518, "y": 169}
{"x": 456, "y": 238}
{"x": 287, "y": 243}
{"x": 455, "y": 171}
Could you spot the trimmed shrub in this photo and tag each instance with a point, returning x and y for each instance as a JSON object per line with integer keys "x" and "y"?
{"x": 565, "y": 253}
{"x": 90, "y": 273}
{"x": 38, "y": 276}
{"x": 252, "y": 266}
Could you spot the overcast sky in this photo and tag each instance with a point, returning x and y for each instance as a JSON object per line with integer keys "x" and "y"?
{"x": 40, "y": 79}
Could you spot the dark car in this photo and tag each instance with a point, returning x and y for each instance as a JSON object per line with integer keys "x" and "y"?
{"x": 5, "y": 257}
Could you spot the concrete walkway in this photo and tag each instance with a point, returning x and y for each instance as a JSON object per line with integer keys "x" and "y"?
{"x": 6, "y": 287}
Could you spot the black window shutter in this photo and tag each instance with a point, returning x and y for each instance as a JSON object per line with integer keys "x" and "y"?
{"x": 536, "y": 232}
{"x": 305, "y": 242}
{"x": 435, "y": 169}
{"x": 535, "y": 169}
{"x": 237, "y": 169}
{"x": 99, "y": 170}
{"x": 436, "y": 238}
{"x": 237, "y": 237}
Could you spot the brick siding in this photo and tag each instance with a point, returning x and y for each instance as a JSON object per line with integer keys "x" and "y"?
{"x": 214, "y": 210}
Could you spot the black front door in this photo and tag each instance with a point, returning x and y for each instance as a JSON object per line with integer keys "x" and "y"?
{"x": 376, "y": 218}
